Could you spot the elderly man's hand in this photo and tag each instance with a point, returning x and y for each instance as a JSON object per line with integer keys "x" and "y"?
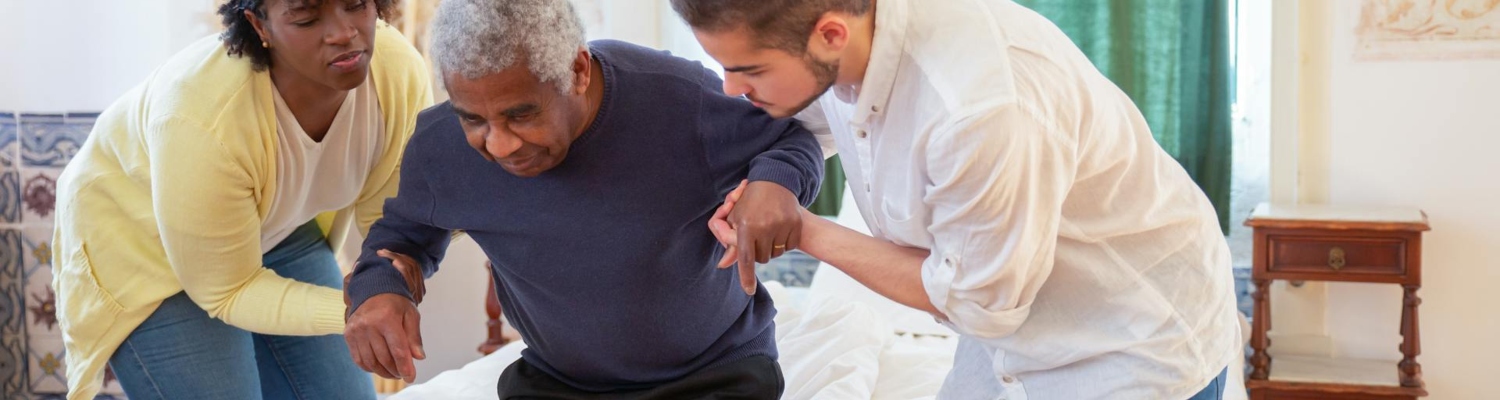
{"x": 384, "y": 335}
{"x": 758, "y": 221}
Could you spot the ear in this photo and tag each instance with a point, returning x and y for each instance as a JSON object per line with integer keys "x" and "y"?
{"x": 829, "y": 35}
{"x": 583, "y": 69}
{"x": 258, "y": 24}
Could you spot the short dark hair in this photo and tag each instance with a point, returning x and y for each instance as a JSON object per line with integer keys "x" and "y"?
{"x": 239, "y": 35}
{"x": 776, "y": 24}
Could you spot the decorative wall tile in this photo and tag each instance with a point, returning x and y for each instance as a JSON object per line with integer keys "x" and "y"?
{"x": 33, "y": 150}
{"x": 51, "y": 140}
{"x": 12, "y": 369}
{"x": 12, "y": 317}
{"x": 112, "y": 388}
{"x": 46, "y": 369}
{"x": 39, "y": 195}
{"x": 10, "y": 143}
{"x": 41, "y": 301}
{"x": 10, "y": 176}
{"x": 10, "y": 195}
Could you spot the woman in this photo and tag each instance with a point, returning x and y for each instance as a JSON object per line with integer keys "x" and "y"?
{"x": 186, "y": 256}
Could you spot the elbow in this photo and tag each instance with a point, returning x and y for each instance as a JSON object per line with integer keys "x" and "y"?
{"x": 213, "y": 301}
{"x": 982, "y": 322}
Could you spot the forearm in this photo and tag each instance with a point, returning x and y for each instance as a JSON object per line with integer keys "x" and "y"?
{"x": 890, "y": 270}
{"x": 404, "y": 232}
{"x": 794, "y": 161}
{"x": 271, "y": 304}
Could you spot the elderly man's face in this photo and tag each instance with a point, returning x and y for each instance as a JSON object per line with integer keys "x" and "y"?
{"x": 516, "y": 120}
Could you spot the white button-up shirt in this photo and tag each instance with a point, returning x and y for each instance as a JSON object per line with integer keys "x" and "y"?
{"x": 1074, "y": 255}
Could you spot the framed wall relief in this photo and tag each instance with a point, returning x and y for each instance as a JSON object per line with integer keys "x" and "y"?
{"x": 1427, "y": 29}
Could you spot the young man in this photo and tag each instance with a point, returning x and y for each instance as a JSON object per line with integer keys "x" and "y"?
{"x": 588, "y": 174}
{"x": 1013, "y": 192}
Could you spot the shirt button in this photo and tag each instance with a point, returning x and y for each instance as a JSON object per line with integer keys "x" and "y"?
{"x": 1009, "y": 379}
{"x": 874, "y": 108}
{"x": 867, "y": 187}
{"x": 862, "y": 134}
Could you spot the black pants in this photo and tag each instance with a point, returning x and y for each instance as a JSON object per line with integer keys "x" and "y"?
{"x": 752, "y": 378}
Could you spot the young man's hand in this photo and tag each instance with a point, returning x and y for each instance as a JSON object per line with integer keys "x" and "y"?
{"x": 410, "y": 270}
{"x": 758, "y": 221}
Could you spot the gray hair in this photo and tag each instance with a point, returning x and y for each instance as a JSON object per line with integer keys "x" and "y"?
{"x": 475, "y": 38}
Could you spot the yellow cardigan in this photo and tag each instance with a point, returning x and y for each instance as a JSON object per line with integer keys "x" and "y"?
{"x": 169, "y": 191}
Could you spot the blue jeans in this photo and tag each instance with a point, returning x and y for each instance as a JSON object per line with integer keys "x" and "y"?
{"x": 179, "y": 352}
{"x": 1215, "y": 389}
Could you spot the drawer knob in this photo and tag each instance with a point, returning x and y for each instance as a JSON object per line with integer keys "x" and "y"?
{"x": 1336, "y": 258}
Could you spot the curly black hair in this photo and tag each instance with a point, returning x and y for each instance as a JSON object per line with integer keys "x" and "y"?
{"x": 241, "y": 39}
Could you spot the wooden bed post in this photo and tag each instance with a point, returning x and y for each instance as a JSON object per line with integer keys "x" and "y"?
{"x": 494, "y": 338}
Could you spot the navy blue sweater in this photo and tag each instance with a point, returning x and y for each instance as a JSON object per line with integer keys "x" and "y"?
{"x": 605, "y": 263}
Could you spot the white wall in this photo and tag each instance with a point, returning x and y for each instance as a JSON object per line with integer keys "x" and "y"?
{"x": 1423, "y": 134}
{"x": 79, "y": 55}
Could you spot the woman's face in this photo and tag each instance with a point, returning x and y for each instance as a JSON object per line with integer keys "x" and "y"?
{"x": 325, "y": 42}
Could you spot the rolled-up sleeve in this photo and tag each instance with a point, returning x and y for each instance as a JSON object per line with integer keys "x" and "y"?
{"x": 997, "y": 184}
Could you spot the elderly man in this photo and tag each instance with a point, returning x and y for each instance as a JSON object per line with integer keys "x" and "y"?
{"x": 598, "y": 167}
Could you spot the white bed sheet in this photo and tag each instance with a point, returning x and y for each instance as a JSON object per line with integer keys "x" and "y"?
{"x": 830, "y": 349}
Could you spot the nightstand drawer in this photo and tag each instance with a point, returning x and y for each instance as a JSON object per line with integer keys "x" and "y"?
{"x": 1337, "y": 255}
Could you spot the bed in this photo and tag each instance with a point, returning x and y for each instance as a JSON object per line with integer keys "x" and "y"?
{"x": 837, "y": 340}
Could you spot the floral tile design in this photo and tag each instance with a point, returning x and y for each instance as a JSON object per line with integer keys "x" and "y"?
{"x": 39, "y": 195}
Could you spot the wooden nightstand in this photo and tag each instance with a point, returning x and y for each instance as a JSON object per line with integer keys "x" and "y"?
{"x": 1337, "y": 244}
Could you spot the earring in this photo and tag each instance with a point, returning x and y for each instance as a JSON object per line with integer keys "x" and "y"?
{"x": 264, "y": 44}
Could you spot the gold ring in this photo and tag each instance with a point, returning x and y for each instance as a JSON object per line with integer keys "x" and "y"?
{"x": 779, "y": 247}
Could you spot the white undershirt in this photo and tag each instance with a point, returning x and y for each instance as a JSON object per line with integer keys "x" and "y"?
{"x": 315, "y": 177}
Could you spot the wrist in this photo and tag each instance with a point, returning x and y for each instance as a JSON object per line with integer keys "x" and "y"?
{"x": 814, "y": 229}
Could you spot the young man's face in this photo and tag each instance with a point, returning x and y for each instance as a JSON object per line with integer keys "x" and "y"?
{"x": 775, "y": 80}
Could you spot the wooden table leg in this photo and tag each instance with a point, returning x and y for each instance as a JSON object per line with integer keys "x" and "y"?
{"x": 1261, "y": 325}
{"x": 1411, "y": 371}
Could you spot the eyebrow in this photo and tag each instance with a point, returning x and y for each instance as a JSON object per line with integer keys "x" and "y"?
{"x": 462, "y": 113}
{"x": 295, "y": 7}
{"x": 743, "y": 68}
{"x": 520, "y": 110}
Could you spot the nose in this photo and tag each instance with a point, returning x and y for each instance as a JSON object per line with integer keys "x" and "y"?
{"x": 500, "y": 142}
{"x": 342, "y": 30}
{"x": 734, "y": 86}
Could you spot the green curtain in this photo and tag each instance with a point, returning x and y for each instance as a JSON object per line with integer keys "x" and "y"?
{"x": 831, "y": 196}
{"x": 1172, "y": 57}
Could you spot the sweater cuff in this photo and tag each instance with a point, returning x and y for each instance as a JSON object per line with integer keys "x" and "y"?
{"x": 328, "y": 318}
{"x": 374, "y": 280}
{"x": 781, "y": 174}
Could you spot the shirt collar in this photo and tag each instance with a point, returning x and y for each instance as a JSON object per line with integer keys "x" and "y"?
{"x": 873, "y": 94}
